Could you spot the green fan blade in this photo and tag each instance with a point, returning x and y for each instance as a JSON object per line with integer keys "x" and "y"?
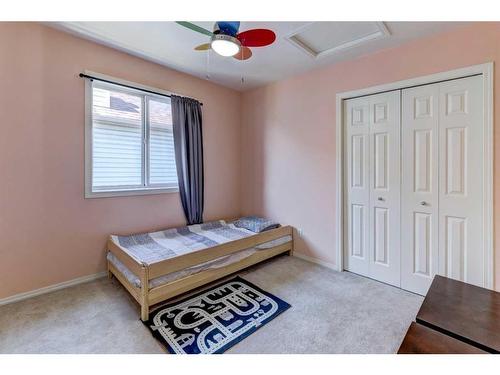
{"x": 194, "y": 27}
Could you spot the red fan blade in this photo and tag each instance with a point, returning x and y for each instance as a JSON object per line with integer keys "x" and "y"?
{"x": 244, "y": 54}
{"x": 256, "y": 37}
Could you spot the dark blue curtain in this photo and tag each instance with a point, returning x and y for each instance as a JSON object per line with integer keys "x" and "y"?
{"x": 188, "y": 144}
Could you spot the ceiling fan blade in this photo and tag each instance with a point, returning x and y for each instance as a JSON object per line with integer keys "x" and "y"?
{"x": 229, "y": 27}
{"x": 194, "y": 27}
{"x": 203, "y": 47}
{"x": 244, "y": 54}
{"x": 257, "y": 37}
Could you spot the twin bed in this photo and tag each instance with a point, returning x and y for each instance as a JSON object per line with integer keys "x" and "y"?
{"x": 155, "y": 267}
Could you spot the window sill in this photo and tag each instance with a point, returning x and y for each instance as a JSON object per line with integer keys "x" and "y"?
{"x": 128, "y": 193}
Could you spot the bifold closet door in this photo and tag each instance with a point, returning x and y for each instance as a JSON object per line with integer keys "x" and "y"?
{"x": 442, "y": 183}
{"x": 461, "y": 158}
{"x": 373, "y": 191}
{"x": 419, "y": 188}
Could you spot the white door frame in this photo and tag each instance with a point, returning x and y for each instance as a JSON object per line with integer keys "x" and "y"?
{"x": 487, "y": 74}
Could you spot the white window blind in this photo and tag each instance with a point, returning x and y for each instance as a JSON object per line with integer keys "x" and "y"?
{"x": 132, "y": 143}
{"x": 161, "y": 144}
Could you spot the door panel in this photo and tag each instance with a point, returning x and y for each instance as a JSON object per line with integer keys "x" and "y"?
{"x": 358, "y": 231}
{"x": 461, "y": 174}
{"x": 442, "y": 131}
{"x": 372, "y": 139}
{"x": 385, "y": 188}
{"x": 381, "y": 160}
{"x": 422, "y": 243}
{"x": 423, "y": 168}
{"x": 381, "y": 236}
{"x": 419, "y": 188}
{"x": 357, "y": 125}
{"x": 456, "y": 156}
{"x": 455, "y": 251}
{"x": 357, "y": 161}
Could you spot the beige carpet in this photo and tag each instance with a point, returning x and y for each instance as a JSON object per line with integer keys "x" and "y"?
{"x": 331, "y": 312}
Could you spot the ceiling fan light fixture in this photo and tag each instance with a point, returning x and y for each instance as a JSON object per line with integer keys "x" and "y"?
{"x": 225, "y": 45}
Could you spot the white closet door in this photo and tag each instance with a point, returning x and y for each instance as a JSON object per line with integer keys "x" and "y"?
{"x": 419, "y": 188}
{"x": 358, "y": 187}
{"x": 385, "y": 188}
{"x": 373, "y": 233}
{"x": 442, "y": 189}
{"x": 461, "y": 244}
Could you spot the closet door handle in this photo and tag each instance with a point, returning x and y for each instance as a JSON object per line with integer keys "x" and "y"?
{"x": 381, "y": 199}
{"x": 424, "y": 203}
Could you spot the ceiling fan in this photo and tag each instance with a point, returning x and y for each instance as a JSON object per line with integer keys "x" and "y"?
{"x": 227, "y": 41}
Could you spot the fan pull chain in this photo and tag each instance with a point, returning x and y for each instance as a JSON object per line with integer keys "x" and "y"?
{"x": 241, "y": 69}
{"x": 207, "y": 75}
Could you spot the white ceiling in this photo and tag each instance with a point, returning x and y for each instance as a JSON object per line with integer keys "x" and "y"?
{"x": 172, "y": 45}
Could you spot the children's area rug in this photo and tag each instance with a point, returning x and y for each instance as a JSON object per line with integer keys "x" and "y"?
{"x": 214, "y": 320}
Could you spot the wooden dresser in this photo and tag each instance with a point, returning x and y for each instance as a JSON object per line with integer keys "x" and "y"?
{"x": 455, "y": 317}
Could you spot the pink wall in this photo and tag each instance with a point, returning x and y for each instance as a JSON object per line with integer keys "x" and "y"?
{"x": 288, "y": 131}
{"x": 48, "y": 232}
{"x": 285, "y": 167}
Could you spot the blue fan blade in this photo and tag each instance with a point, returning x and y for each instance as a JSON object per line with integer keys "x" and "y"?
{"x": 229, "y": 27}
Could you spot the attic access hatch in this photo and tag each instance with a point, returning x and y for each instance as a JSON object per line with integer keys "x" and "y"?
{"x": 318, "y": 39}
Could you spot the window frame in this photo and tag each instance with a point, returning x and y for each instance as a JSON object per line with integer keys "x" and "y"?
{"x": 145, "y": 188}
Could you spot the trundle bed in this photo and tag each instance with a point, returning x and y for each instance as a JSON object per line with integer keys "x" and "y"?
{"x": 155, "y": 267}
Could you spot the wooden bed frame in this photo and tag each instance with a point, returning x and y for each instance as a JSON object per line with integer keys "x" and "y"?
{"x": 147, "y": 297}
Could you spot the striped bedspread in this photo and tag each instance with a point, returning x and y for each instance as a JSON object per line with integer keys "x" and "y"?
{"x": 149, "y": 248}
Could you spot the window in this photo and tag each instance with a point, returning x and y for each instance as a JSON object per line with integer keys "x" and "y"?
{"x": 129, "y": 142}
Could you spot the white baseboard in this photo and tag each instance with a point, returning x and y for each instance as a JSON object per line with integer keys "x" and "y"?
{"x": 317, "y": 261}
{"x": 51, "y": 288}
{"x": 84, "y": 279}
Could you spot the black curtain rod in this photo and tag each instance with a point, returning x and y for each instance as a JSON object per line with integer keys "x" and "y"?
{"x": 123, "y": 85}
